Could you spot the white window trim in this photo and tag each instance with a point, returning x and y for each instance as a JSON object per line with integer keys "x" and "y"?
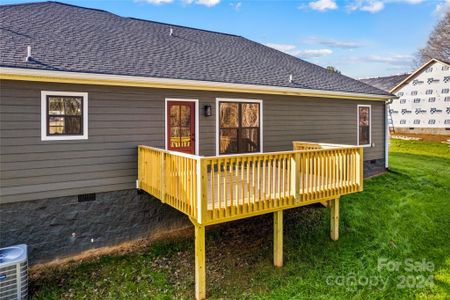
{"x": 44, "y": 134}
{"x": 370, "y": 125}
{"x": 197, "y": 122}
{"x": 261, "y": 131}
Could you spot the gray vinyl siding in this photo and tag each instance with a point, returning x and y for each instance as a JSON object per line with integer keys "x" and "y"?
{"x": 288, "y": 118}
{"x": 120, "y": 118}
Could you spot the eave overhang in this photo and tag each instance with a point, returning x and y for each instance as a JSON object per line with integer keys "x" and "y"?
{"x": 22, "y": 74}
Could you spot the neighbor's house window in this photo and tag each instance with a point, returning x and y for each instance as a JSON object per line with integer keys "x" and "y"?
{"x": 239, "y": 126}
{"x": 364, "y": 124}
{"x": 64, "y": 116}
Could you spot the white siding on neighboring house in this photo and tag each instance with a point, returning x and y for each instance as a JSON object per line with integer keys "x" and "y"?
{"x": 424, "y": 101}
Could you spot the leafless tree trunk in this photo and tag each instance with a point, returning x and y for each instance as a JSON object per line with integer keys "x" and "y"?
{"x": 438, "y": 44}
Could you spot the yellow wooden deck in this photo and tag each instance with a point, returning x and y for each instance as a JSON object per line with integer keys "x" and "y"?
{"x": 212, "y": 190}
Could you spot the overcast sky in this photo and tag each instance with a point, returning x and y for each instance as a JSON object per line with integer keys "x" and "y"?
{"x": 361, "y": 38}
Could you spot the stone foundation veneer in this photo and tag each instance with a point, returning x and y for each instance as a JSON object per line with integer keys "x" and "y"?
{"x": 374, "y": 167}
{"x": 59, "y": 227}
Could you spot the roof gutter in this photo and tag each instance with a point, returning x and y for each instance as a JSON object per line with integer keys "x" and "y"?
{"x": 166, "y": 83}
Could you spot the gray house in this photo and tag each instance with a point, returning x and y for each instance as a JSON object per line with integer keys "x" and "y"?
{"x": 82, "y": 88}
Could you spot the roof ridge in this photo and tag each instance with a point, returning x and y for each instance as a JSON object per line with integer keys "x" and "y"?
{"x": 124, "y": 17}
{"x": 403, "y": 74}
{"x": 78, "y": 6}
{"x": 182, "y": 26}
{"x": 23, "y": 4}
{"x": 60, "y": 3}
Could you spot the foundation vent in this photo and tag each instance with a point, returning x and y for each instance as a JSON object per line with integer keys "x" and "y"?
{"x": 87, "y": 197}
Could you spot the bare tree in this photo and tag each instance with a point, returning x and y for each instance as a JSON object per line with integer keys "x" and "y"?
{"x": 438, "y": 44}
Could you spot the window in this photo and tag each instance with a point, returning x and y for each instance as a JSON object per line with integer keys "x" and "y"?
{"x": 430, "y": 69}
{"x": 400, "y": 94}
{"x": 432, "y": 121}
{"x": 417, "y": 121}
{"x": 63, "y": 116}
{"x": 445, "y": 91}
{"x": 364, "y": 122}
{"x": 447, "y": 99}
{"x": 429, "y": 92}
{"x": 445, "y": 68}
{"x": 417, "y": 100}
{"x": 239, "y": 124}
{"x": 402, "y": 101}
{"x": 413, "y": 93}
{"x": 403, "y": 121}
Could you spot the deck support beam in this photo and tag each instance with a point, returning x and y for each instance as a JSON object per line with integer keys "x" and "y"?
{"x": 334, "y": 212}
{"x": 278, "y": 238}
{"x": 200, "y": 265}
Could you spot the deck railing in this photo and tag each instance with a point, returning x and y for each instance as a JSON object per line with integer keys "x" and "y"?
{"x": 223, "y": 188}
{"x": 171, "y": 177}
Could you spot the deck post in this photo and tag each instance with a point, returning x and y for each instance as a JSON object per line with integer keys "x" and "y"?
{"x": 278, "y": 238}
{"x": 334, "y": 211}
{"x": 200, "y": 269}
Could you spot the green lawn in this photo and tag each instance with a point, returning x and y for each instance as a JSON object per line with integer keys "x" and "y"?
{"x": 401, "y": 220}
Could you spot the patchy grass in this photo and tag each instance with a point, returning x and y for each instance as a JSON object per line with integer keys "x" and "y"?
{"x": 402, "y": 217}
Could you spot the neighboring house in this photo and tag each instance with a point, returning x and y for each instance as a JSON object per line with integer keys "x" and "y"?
{"x": 423, "y": 106}
{"x": 386, "y": 83}
{"x": 82, "y": 88}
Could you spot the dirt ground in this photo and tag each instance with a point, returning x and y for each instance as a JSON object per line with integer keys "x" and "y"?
{"x": 426, "y": 137}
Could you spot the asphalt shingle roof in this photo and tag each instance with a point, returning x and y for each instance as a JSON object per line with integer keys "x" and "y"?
{"x": 386, "y": 83}
{"x": 70, "y": 38}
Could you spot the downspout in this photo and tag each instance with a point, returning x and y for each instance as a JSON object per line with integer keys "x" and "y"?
{"x": 386, "y": 133}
